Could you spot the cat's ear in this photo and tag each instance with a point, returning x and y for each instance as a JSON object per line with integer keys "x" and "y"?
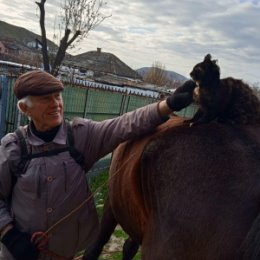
{"x": 207, "y": 57}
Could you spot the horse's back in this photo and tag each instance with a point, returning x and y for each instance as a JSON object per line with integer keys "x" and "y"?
{"x": 197, "y": 192}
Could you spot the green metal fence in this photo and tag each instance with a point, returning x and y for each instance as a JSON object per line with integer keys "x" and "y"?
{"x": 79, "y": 101}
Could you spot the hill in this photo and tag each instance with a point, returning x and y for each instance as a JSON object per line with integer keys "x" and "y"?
{"x": 19, "y": 34}
{"x": 171, "y": 75}
{"x": 104, "y": 62}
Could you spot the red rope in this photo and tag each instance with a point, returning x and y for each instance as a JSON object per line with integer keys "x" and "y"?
{"x": 41, "y": 240}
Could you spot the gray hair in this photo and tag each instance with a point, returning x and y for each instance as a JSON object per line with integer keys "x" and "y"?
{"x": 26, "y": 100}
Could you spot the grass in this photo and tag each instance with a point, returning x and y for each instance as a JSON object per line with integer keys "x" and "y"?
{"x": 99, "y": 186}
{"x": 113, "y": 249}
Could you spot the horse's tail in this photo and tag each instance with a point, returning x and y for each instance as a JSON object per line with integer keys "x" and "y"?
{"x": 251, "y": 244}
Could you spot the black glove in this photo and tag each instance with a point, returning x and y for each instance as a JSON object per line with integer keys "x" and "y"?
{"x": 19, "y": 245}
{"x": 182, "y": 97}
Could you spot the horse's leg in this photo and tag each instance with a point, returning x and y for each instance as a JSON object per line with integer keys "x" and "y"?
{"x": 130, "y": 249}
{"x": 107, "y": 226}
{"x": 251, "y": 244}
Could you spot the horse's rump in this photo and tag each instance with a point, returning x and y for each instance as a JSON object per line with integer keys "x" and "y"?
{"x": 193, "y": 194}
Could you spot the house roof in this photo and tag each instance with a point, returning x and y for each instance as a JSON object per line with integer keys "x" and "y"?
{"x": 14, "y": 45}
{"x": 10, "y": 45}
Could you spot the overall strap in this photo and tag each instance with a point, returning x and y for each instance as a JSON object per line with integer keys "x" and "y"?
{"x": 20, "y": 132}
{"x": 21, "y": 139}
{"x": 74, "y": 153}
{"x": 48, "y": 153}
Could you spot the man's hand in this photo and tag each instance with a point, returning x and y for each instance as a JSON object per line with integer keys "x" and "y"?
{"x": 182, "y": 97}
{"x": 19, "y": 245}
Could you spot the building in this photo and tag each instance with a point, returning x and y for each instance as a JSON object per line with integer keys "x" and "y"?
{"x": 8, "y": 47}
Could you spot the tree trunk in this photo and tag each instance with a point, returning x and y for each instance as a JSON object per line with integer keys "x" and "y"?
{"x": 64, "y": 44}
{"x": 45, "y": 55}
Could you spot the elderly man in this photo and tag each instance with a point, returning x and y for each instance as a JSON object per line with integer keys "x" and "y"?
{"x": 51, "y": 185}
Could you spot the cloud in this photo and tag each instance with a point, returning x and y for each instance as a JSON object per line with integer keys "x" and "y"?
{"x": 176, "y": 33}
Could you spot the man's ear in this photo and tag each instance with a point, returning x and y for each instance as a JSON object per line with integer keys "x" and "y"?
{"x": 23, "y": 107}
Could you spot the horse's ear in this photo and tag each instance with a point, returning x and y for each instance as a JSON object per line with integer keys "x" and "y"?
{"x": 207, "y": 57}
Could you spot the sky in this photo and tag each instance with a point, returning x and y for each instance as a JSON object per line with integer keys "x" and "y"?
{"x": 177, "y": 34}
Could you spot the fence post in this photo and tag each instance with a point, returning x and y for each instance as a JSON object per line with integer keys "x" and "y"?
{"x": 127, "y": 103}
{"x": 3, "y": 104}
{"x": 86, "y": 103}
{"x": 122, "y": 105}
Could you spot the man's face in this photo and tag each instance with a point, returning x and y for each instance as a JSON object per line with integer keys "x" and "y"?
{"x": 46, "y": 111}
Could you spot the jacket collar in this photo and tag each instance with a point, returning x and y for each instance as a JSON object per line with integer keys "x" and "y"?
{"x": 60, "y": 138}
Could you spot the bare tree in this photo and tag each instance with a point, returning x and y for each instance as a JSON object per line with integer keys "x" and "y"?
{"x": 157, "y": 75}
{"x": 77, "y": 19}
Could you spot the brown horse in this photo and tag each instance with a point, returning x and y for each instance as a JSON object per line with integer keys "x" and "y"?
{"x": 187, "y": 193}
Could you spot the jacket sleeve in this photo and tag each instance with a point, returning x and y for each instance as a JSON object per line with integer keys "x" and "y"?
{"x": 8, "y": 155}
{"x": 96, "y": 139}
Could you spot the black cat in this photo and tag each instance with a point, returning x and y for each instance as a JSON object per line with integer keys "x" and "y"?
{"x": 226, "y": 100}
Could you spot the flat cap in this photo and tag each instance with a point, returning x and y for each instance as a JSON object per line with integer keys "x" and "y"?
{"x": 36, "y": 83}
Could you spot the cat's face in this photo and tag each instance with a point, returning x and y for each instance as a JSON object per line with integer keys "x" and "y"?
{"x": 206, "y": 72}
